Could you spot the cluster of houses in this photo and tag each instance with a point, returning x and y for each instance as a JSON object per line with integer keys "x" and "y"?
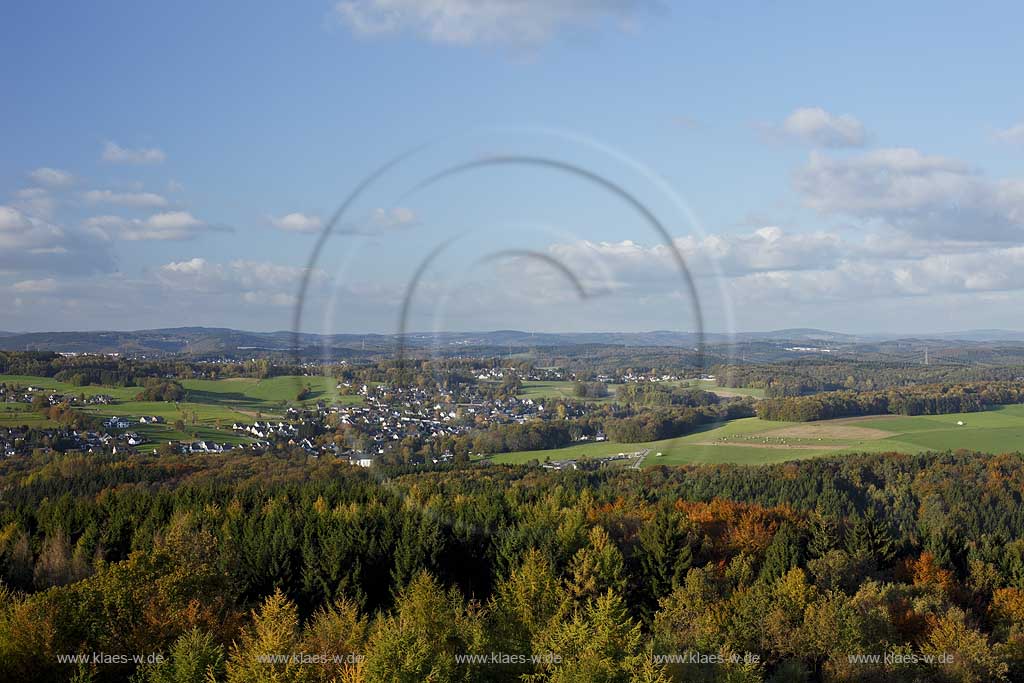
{"x": 640, "y": 377}
{"x": 12, "y": 394}
{"x": 396, "y": 412}
{"x": 534, "y": 375}
{"x": 390, "y": 414}
{"x": 116, "y": 422}
{"x": 267, "y": 430}
{"x": 19, "y": 441}
{"x": 387, "y": 415}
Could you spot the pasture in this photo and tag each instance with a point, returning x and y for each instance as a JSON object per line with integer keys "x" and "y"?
{"x": 564, "y": 389}
{"x": 753, "y": 441}
{"x": 560, "y": 389}
{"x": 209, "y": 408}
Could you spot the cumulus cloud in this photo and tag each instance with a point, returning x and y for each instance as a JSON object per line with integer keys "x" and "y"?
{"x": 297, "y": 222}
{"x": 467, "y": 22}
{"x": 918, "y": 193}
{"x": 815, "y": 126}
{"x": 35, "y": 201}
{"x": 169, "y": 225}
{"x": 117, "y": 154}
{"x": 379, "y": 219}
{"x": 43, "y": 286}
{"x": 20, "y": 231}
{"x": 394, "y": 218}
{"x": 253, "y": 282}
{"x": 988, "y": 270}
{"x": 51, "y": 177}
{"x": 1014, "y": 134}
{"x": 766, "y": 249}
{"x": 772, "y": 265}
{"x": 133, "y": 199}
{"x": 30, "y": 243}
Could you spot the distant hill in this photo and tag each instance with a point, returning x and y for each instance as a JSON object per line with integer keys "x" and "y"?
{"x": 211, "y": 342}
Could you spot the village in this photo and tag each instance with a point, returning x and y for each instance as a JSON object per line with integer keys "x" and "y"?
{"x": 359, "y": 432}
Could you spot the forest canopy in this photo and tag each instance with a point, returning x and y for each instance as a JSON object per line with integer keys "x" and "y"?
{"x": 785, "y": 571}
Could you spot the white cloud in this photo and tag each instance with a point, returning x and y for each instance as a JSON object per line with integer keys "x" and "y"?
{"x": 394, "y": 218}
{"x": 1014, "y": 134}
{"x": 253, "y": 282}
{"x": 989, "y": 270}
{"x": 51, "y": 177}
{"x": 768, "y": 249}
{"x": 117, "y": 154}
{"x": 19, "y": 231}
{"x": 466, "y": 22}
{"x": 35, "y": 201}
{"x": 134, "y": 199}
{"x": 297, "y": 222}
{"x": 924, "y": 195}
{"x": 170, "y": 225}
{"x": 815, "y": 126}
{"x": 379, "y": 219}
{"x": 771, "y": 266}
{"x": 42, "y": 286}
{"x": 30, "y": 243}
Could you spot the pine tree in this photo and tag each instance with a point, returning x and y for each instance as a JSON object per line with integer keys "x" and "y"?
{"x": 825, "y": 535}
{"x": 870, "y": 538}
{"x": 783, "y": 553}
{"x": 665, "y": 554}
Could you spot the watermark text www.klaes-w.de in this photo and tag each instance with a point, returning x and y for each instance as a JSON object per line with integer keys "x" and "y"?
{"x": 110, "y": 658}
{"x": 310, "y": 658}
{"x": 694, "y": 657}
{"x": 901, "y": 658}
{"x": 497, "y": 658}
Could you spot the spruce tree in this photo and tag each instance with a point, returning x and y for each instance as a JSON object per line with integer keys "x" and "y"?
{"x": 825, "y": 535}
{"x": 665, "y": 554}
{"x": 783, "y": 553}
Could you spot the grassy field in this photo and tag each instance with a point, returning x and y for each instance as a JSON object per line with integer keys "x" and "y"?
{"x": 266, "y": 395}
{"x": 21, "y": 414}
{"x": 709, "y": 385}
{"x": 754, "y": 441}
{"x": 560, "y": 389}
{"x": 215, "y": 404}
{"x": 563, "y": 389}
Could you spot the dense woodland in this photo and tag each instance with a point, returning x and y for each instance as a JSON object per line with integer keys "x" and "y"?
{"x": 928, "y": 399}
{"x": 215, "y": 563}
{"x": 798, "y": 378}
{"x": 114, "y": 371}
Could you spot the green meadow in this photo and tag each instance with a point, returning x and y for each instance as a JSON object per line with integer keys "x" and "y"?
{"x": 209, "y": 408}
{"x": 754, "y": 441}
{"x": 564, "y": 389}
{"x": 560, "y": 389}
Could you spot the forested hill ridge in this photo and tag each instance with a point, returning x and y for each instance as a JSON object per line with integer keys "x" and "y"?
{"x": 978, "y": 346}
{"x": 795, "y": 572}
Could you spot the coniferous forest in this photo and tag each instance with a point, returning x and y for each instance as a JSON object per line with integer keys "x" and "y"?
{"x": 873, "y": 567}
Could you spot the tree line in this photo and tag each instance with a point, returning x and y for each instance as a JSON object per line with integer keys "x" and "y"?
{"x": 810, "y": 376}
{"x": 930, "y": 399}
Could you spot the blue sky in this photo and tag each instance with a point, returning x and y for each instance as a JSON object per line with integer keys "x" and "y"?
{"x": 856, "y": 167}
